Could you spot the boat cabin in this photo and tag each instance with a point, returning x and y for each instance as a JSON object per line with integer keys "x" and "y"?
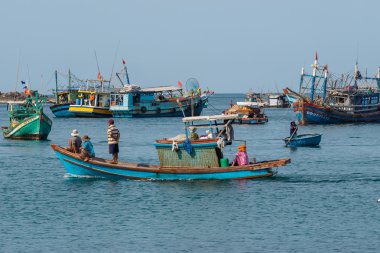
{"x": 94, "y": 94}
{"x": 358, "y": 100}
{"x": 193, "y": 150}
{"x": 133, "y": 96}
{"x": 67, "y": 96}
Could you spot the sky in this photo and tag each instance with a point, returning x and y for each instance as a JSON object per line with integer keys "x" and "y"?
{"x": 228, "y": 46}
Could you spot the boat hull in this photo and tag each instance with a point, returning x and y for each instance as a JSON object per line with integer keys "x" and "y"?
{"x": 308, "y": 113}
{"x": 304, "y": 140}
{"x": 101, "y": 168}
{"x": 90, "y": 111}
{"x": 36, "y": 127}
{"x": 61, "y": 110}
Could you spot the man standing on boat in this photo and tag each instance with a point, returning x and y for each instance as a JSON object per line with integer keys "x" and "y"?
{"x": 113, "y": 140}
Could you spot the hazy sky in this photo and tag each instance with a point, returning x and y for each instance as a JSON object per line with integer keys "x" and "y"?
{"x": 229, "y": 46}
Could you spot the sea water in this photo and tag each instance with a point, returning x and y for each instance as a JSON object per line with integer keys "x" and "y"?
{"x": 324, "y": 201}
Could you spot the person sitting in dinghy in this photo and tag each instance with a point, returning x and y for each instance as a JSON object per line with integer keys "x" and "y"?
{"x": 87, "y": 150}
{"x": 75, "y": 142}
{"x": 241, "y": 157}
{"x": 293, "y": 129}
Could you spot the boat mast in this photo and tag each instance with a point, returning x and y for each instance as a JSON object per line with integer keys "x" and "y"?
{"x": 126, "y": 73}
{"x": 356, "y": 74}
{"x": 69, "y": 80}
{"x": 301, "y": 81}
{"x": 325, "y": 83}
{"x": 56, "y": 87}
{"x": 378, "y": 78}
{"x": 315, "y": 66}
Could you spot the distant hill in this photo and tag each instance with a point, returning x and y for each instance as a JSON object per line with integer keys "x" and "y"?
{"x": 6, "y": 97}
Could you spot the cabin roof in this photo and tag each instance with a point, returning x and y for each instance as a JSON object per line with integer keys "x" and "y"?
{"x": 160, "y": 89}
{"x": 210, "y": 117}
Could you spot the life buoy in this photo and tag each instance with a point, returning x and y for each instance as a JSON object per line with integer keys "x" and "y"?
{"x": 158, "y": 110}
{"x": 143, "y": 109}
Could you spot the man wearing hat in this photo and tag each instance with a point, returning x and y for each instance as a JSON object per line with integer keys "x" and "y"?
{"x": 75, "y": 142}
{"x": 87, "y": 150}
{"x": 241, "y": 157}
{"x": 113, "y": 140}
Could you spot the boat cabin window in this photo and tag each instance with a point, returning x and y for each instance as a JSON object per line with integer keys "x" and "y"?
{"x": 117, "y": 99}
{"x": 136, "y": 98}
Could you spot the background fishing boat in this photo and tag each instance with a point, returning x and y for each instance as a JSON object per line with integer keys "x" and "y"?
{"x": 324, "y": 98}
{"x": 64, "y": 98}
{"x": 93, "y": 100}
{"x": 253, "y": 99}
{"x": 27, "y": 120}
{"x": 250, "y": 115}
{"x": 278, "y": 101}
{"x": 132, "y": 101}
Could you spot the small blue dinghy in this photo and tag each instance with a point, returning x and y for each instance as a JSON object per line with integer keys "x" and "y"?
{"x": 303, "y": 140}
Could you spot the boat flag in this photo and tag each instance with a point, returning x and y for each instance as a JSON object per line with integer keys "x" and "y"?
{"x": 26, "y": 89}
{"x": 180, "y": 84}
{"x": 316, "y": 55}
{"x": 100, "y": 78}
{"x": 24, "y": 85}
{"x": 123, "y": 62}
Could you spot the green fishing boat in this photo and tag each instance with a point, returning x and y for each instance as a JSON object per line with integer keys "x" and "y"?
{"x": 27, "y": 120}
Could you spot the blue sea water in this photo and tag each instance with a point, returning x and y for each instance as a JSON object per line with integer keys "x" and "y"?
{"x": 324, "y": 201}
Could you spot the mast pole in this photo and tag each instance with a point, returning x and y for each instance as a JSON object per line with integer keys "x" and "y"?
{"x": 126, "y": 74}
{"x": 325, "y": 86}
{"x": 69, "y": 80}
{"x": 56, "y": 86}
{"x": 301, "y": 81}
{"x": 378, "y": 78}
{"x": 315, "y": 66}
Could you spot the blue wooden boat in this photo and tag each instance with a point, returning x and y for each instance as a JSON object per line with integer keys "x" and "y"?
{"x": 304, "y": 140}
{"x": 61, "y": 110}
{"x": 202, "y": 162}
{"x": 165, "y": 101}
{"x": 63, "y": 99}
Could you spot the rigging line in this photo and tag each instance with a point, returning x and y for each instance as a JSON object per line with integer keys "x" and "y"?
{"x": 215, "y": 109}
{"x": 97, "y": 63}
{"x": 18, "y": 71}
{"x": 114, "y": 60}
{"x": 50, "y": 79}
{"x": 29, "y": 84}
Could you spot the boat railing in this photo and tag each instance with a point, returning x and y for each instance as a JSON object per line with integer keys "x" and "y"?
{"x": 355, "y": 108}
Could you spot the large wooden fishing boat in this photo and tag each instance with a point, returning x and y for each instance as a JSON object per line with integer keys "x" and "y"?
{"x": 323, "y": 99}
{"x": 131, "y": 101}
{"x": 181, "y": 158}
{"x": 27, "y": 120}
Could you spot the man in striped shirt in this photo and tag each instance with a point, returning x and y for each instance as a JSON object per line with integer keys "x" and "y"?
{"x": 113, "y": 140}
